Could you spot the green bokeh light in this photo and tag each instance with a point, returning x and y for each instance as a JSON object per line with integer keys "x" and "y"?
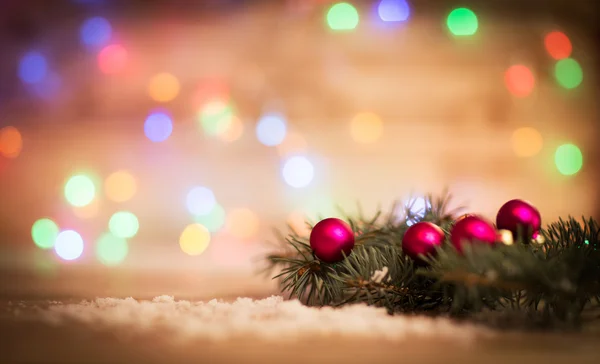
{"x": 568, "y": 73}
{"x": 462, "y": 22}
{"x": 111, "y": 250}
{"x": 568, "y": 159}
{"x": 342, "y": 16}
{"x": 80, "y": 190}
{"x": 123, "y": 224}
{"x": 215, "y": 117}
{"x": 214, "y": 220}
{"x": 44, "y": 232}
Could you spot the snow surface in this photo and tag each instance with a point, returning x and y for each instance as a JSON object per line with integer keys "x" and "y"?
{"x": 272, "y": 318}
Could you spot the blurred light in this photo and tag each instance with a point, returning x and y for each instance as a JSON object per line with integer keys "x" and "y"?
{"x": 33, "y": 68}
{"x": 342, "y": 16}
{"x": 214, "y": 220}
{"x": 294, "y": 143}
{"x": 462, "y": 21}
{"x": 111, "y": 250}
{"x": 120, "y": 186}
{"x": 519, "y": 80}
{"x": 234, "y": 130}
{"x": 568, "y": 73}
{"x": 88, "y": 211}
{"x": 11, "y": 142}
{"x": 194, "y": 239}
{"x": 163, "y": 87}
{"x": 158, "y": 127}
{"x": 242, "y": 223}
{"x": 366, "y": 128}
{"x": 216, "y": 116}
{"x": 568, "y": 159}
{"x": 95, "y": 31}
{"x": 298, "y": 172}
{"x": 393, "y": 10}
{"x": 200, "y": 201}
{"x": 526, "y": 142}
{"x": 558, "y": 45}
{"x": 123, "y": 224}
{"x": 297, "y": 221}
{"x": 112, "y": 59}
{"x": 80, "y": 190}
{"x": 271, "y": 129}
{"x": 44, "y": 233}
{"x": 68, "y": 245}
{"x": 417, "y": 208}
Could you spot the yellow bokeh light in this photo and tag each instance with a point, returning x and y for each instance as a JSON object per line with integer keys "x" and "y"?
{"x": 194, "y": 239}
{"x": 234, "y": 130}
{"x": 294, "y": 143}
{"x": 88, "y": 211}
{"x": 163, "y": 87}
{"x": 366, "y": 128}
{"x": 526, "y": 142}
{"x": 120, "y": 186}
{"x": 242, "y": 223}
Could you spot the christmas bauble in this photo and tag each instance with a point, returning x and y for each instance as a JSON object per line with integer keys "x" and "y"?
{"x": 422, "y": 238}
{"x": 520, "y": 218}
{"x": 329, "y": 238}
{"x": 472, "y": 229}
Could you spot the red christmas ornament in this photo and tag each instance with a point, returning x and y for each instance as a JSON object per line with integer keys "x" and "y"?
{"x": 472, "y": 229}
{"x": 520, "y": 218}
{"x": 329, "y": 238}
{"x": 422, "y": 238}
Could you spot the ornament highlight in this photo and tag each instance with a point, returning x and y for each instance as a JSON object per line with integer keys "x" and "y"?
{"x": 330, "y": 239}
{"x": 472, "y": 229}
{"x": 519, "y": 217}
{"x": 421, "y": 239}
{"x": 505, "y": 237}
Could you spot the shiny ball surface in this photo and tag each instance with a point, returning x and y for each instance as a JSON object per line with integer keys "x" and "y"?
{"x": 519, "y": 217}
{"x": 330, "y": 239}
{"x": 422, "y": 238}
{"x": 472, "y": 230}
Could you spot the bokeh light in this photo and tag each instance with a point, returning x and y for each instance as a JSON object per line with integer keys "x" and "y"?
{"x": 234, "y": 130}
{"x": 558, "y": 45}
{"x": 88, "y": 211}
{"x": 393, "y": 10}
{"x": 526, "y": 142}
{"x": 80, "y": 190}
{"x": 568, "y": 73}
{"x": 95, "y": 31}
{"x": 158, "y": 127}
{"x": 294, "y": 143}
{"x": 111, "y": 250}
{"x": 44, "y": 232}
{"x": 216, "y": 116}
{"x": 200, "y": 201}
{"x": 112, "y": 59}
{"x": 123, "y": 224}
{"x": 366, "y": 128}
{"x": 414, "y": 209}
{"x": 120, "y": 186}
{"x": 342, "y": 16}
{"x": 271, "y": 129}
{"x": 242, "y": 223}
{"x": 214, "y": 220}
{"x": 33, "y": 67}
{"x": 11, "y": 142}
{"x": 462, "y": 22}
{"x": 163, "y": 87}
{"x": 568, "y": 159}
{"x": 519, "y": 80}
{"x": 194, "y": 239}
{"x": 68, "y": 245}
{"x": 298, "y": 172}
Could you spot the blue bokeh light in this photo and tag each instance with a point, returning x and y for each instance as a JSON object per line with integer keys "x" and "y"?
{"x": 393, "y": 10}
{"x": 33, "y": 68}
{"x": 271, "y": 129}
{"x": 415, "y": 209}
{"x": 200, "y": 201}
{"x": 298, "y": 172}
{"x": 158, "y": 127}
{"x": 95, "y": 32}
